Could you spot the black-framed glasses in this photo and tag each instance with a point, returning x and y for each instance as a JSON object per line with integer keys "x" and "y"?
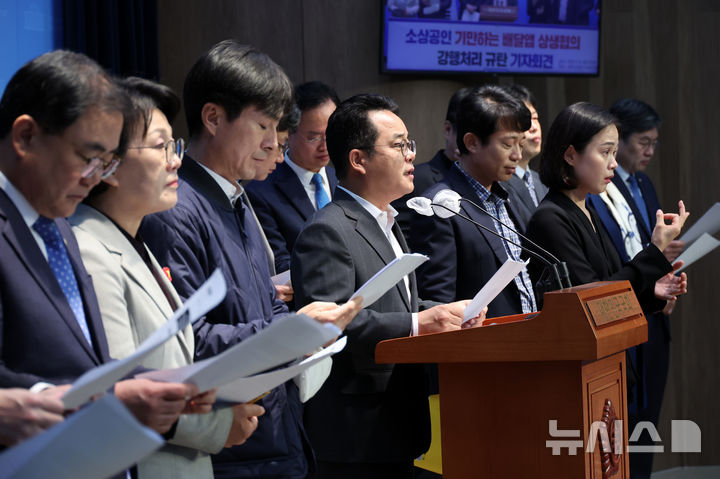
{"x": 406, "y": 146}
{"x": 97, "y": 164}
{"x": 284, "y": 147}
{"x": 173, "y": 148}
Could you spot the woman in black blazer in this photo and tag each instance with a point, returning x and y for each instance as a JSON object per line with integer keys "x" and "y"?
{"x": 579, "y": 159}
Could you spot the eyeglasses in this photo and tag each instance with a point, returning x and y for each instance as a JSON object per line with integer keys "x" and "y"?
{"x": 172, "y": 148}
{"x": 314, "y": 140}
{"x": 284, "y": 147}
{"x": 96, "y": 164}
{"x": 405, "y": 146}
{"x": 647, "y": 143}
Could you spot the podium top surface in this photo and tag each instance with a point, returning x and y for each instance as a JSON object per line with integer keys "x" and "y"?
{"x": 586, "y": 322}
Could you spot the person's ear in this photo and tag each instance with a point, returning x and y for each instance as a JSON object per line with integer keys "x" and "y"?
{"x": 211, "y": 115}
{"x": 23, "y": 135}
{"x": 357, "y": 160}
{"x": 571, "y": 155}
{"x": 472, "y": 142}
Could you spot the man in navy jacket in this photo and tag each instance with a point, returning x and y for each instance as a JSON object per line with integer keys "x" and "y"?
{"x": 234, "y": 97}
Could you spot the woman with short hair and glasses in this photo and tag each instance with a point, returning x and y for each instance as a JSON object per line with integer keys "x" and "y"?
{"x": 134, "y": 293}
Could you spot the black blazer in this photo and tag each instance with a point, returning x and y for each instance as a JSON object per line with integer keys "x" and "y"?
{"x": 520, "y": 195}
{"x": 463, "y": 257}
{"x": 562, "y": 228}
{"x": 365, "y": 412}
{"x": 283, "y": 207}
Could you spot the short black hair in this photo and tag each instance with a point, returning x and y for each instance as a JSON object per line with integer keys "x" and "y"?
{"x": 145, "y": 96}
{"x": 575, "y": 126}
{"x": 235, "y": 76}
{"x": 488, "y": 109}
{"x": 290, "y": 120}
{"x": 521, "y": 93}
{"x": 56, "y": 89}
{"x": 634, "y": 116}
{"x": 455, "y": 99}
{"x": 312, "y": 94}
{"x": 350, "y": 127}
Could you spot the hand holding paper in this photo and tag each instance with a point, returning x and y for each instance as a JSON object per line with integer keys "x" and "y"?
{"x": 492, "y": 288}
{"x": 340, "y": 316}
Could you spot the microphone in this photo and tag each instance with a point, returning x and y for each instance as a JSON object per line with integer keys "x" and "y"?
{"x": 446, "y": 203}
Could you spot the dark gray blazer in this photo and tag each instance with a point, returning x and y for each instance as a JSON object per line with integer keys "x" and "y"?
{"x": 365, "y": 412}
{"x": 520, "y": 195}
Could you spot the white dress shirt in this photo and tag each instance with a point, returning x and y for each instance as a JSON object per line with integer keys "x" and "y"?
{"x": 305, "y": 177}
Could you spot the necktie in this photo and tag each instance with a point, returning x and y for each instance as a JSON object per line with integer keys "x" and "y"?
{"x": 62, "y": 269}
{"x": 639, "y": 201}
{"x": 321, "y": 197}
{"x": 530, "y": 183}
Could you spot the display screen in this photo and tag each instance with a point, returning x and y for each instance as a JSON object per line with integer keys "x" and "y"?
{"x": 495, "y": 36}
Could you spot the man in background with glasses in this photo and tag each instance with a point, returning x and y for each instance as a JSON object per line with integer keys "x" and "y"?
{"x": 61, "y": 117}
{"x": 368, "y": 419}
{"x": 305, "y": 182}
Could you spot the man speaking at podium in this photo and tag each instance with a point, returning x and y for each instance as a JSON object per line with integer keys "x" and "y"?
{"x": 368, "y": 420}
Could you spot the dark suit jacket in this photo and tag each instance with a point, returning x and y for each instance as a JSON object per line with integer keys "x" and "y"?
{"x": 463, "y": 257}
{"x": 562, "y": 228}
{"x": 650, "y": 197}
{"x": 204, "y": 232}
{"x": 40, "y": 338}
{"x": 520, "y": 195}
{"x": 283, "y": 207}
{"x": 426, "y": 175}
{"x": 365, "y": 412}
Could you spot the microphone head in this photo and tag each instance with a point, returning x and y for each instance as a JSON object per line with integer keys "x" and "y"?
{"x": 421, "y": 205}
{"x": 448, "y": 199}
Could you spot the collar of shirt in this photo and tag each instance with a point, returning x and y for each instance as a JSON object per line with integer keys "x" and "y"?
{"x": 233, "y": 191}
{"x": 520, "y": 172}
{"x": 624, "y": 175}
{"x": 496, "y": 194}
{"x": 26, "y": 210}
{"x": 305, "y": 175}
{"x": 385, "y": 219}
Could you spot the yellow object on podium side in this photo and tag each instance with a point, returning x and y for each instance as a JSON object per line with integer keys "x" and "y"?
{"x": 432, "y": 459}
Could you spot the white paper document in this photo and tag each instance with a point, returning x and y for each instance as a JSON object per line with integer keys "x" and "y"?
{"x": 249, "y": 388}
{"x": 704, "y": 244}
{"x": 389, "y": 276}
{"x": 283, "y": 341}
{"x": 708, "y": 223}
{"x": 281, "y": 279}
{"x": 492, "y": 288}
{"x": 100, "y": 379}
{"x": 100, "y": 440}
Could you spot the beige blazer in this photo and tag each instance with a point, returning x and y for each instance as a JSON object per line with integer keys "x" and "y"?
{"x": 133, "y": 306}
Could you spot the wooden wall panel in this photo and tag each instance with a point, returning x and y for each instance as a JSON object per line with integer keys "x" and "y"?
{"x": 665, "y": 52}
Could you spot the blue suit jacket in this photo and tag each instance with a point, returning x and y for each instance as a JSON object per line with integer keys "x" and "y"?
{"x": 283, "y": 207}
{"x": 463, "y": 257}
{"x": 204, "y": 232}
{"x": 40, "y": 339}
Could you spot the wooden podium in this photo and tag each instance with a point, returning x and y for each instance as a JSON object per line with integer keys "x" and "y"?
{"x": 502, "y": 384}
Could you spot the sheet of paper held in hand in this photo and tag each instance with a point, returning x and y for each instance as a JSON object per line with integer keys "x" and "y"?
{"x": 99, "y": 440}
{"x": 389, "y": 276}
{"x": 281, "y": 279}
{"x": 708, "y": 223}
{"x": 283, "y": 341}
{"x": 492, "y": 288}
{"x": 699, "y": 248}
{"x": 246, "y": 389}
{"x": 100, "y": 379}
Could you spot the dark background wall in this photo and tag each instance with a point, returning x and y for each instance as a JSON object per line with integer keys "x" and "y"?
{"x": 665, "y": 52}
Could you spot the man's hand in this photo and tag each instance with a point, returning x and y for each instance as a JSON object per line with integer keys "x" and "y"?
{"x": 444, "y": 317}
{"x": 477, "y": 320}
{"x": 245, "y": 421}
{"x": 664, "y": 233}
{"x": 155, "y": 404}
{"x": 285, "y": 292}
{"x": 340, "y": 316}
{"x": 673, "y": 250}
{"x": 24, "y": 414}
